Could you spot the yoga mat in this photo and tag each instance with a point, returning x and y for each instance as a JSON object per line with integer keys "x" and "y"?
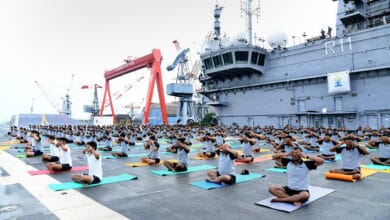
{"x": 338, "y": 176}
{"x": 239, "y": 179}
{"x": 141, "y": 164}
{"x": 190, "y": 169}
{"x": 338, "y": 157}
{"x": 107, "y": 180}
{"x": 278, "y": 170}
{"x": 204, "y": 158}
{"x": 256, "y": 160}
{"x": 5, "y": 147}
{"x": 315, "y": 193}
{"x": 39, "y": 172}
{"x": 21, "y": 156}
{"x": 376, "y": 167}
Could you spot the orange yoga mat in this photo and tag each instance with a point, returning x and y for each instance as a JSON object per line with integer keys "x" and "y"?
{"x": 364, "y": 172}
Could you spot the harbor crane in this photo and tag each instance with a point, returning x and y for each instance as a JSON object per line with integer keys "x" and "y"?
{"x": 153, "y": 61}
{"x": 94, "y": 109}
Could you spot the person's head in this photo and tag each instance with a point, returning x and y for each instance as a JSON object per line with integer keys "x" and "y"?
{"x": 51, "y": 139}
{"x": 92, "y": 144}
{"x": 349, "y": 142}
{"x": 327, "y": 137}
{"x": 225, "y": 147}
{"x": 296, "y": 153}
{"x": 288, "y": 139}
{"x": 62, "y": 141}
{"x": 385, "y": 139}
{"x": 181, "y": 140}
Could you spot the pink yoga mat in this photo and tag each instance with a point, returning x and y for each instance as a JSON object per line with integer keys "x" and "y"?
{"x": 39, "y": 172}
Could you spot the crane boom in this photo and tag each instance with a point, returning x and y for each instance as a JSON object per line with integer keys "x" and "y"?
{"x": 47, "y": 97}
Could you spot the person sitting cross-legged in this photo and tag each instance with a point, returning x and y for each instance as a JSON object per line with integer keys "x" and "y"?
{"x": 297, "y": 189}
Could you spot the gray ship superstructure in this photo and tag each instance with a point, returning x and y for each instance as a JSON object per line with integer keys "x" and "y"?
{"x": 336, "y": 81}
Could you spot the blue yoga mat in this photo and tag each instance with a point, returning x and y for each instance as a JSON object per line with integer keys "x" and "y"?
{"x": 278, "y": 170}
{"x": 239, "y": 179}
{"x": 377, "y": 167}
{"x": 107, "y": 180}
{"x": 190, "y": 169}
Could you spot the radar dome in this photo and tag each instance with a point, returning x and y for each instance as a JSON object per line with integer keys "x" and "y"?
{"x": 277, "y": 38}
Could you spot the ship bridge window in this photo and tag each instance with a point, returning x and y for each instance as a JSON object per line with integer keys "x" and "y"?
{"x": 208, "y": 63}
{"x": 257, "y": 58}
{"x": 254, "y": 57}
{"x": 228, "y": 58}
{"x": 261, "y": 59}
{"x": 241, "y": 57}
{"x": 217, "y": 61}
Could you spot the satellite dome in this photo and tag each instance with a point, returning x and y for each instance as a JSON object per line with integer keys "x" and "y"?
{"x": 277, "y": 38}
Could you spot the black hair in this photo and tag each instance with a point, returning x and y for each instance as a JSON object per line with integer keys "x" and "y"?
{"x": 92, "y": 144}
{"x": 181, "y": 139}
{"x": 152, "y": 137}
{"x": 63, "y": 139}
{"x": 51, "y": 137}
{"x": 288, "y": 136}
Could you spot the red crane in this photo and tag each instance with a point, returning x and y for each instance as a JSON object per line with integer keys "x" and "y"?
{"x": 152, "y": 61}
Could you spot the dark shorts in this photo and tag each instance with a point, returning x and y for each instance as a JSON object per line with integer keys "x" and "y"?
{"x": 327, "y": 155}
{"x": 243, "y": 156}
{"x": 212, "y": 154}
{"x": 292, "y": 192}
{"x": 54, "y": 159}
{"x": 107, "y": 148}
{"x": 232, "y": 178}
{"x": 122, "y": 155}
{"x": 66, "y": 167}
{"x": 156, "y": 160}
{"x": 383, "y": 159}
{"x": 95, "y": 179}
{"x": 179, "y": 169}
{"x": 37, "y": 152}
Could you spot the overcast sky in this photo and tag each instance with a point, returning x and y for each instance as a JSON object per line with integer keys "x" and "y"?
{"x": 49, "y": 40}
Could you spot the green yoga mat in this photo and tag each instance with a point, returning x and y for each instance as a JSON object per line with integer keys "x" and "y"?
{"x": 190, "y": 169}
{"x": 107, "y": 180}
{"x": 21, "y": 156}
{"x": 278, "y": 170}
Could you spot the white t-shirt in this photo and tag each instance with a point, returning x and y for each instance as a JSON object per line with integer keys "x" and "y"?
{"x": 94, "y": 165}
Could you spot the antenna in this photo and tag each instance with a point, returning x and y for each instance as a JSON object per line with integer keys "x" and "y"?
{"x": 249, "y": 12}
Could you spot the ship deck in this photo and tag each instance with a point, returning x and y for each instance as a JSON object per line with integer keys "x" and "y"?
{"x": 171, "y": 197}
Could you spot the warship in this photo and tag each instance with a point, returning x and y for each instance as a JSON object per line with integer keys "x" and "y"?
{"x": 333, "y": 80}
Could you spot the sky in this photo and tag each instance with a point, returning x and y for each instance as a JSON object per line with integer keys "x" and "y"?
{"x": 50, "y": 40}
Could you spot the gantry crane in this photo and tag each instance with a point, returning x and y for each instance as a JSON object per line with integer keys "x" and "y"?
{"x": 153, "y": 61}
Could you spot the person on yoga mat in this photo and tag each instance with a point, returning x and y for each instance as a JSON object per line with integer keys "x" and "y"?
{"x": 350, "y": 153}
{"x": 36, "y": 145}
{"x": 208, "y": 141}
{"x": 247, "y": 144}
{"x": 327, "y": 143}
{"x": 285, "y": 147}
{"x": 384, "y": 151}
{"x": 182, "y": 153}
{"x": 297, "y": 189}
{"x": 106, "y": 141}
{"x": 54, "y": 154}
{"x": 123, "y": 141}
{"x": 65, "y": 162}
{"x": 226, "y": 173}
{"x": 153, "y": 146}
{"x": 95, "y": 171}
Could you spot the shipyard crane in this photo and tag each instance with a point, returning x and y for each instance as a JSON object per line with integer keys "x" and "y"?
{"x": 182, "y": 88}
{"x": 94, "y": 109}
{"x": 48, "y": 98}
{"x": 153, "y": 61}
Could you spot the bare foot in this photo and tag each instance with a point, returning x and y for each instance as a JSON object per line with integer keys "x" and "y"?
{"x": 297, "y": 204}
